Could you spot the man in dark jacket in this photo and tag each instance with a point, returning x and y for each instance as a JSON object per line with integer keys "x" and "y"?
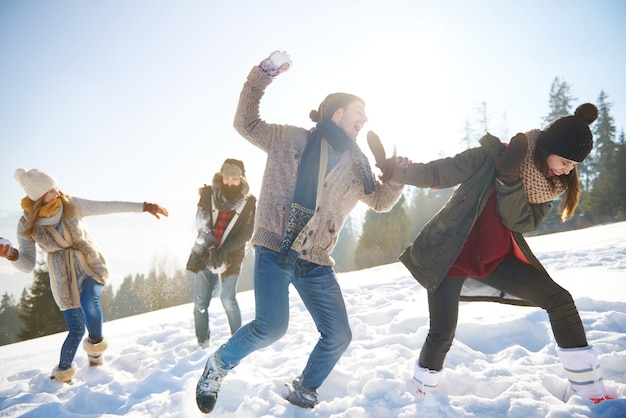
{"x": 225, "y": 220}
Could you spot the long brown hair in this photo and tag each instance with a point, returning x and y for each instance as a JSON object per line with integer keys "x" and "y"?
{"x": 35, "y": 210}
{"x": 570, "y": 181}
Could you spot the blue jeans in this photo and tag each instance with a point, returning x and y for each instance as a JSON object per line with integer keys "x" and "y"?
{"x": 317, "y": 286}
{"x": 89, "y": 314}
{"x": 204, "y": 284}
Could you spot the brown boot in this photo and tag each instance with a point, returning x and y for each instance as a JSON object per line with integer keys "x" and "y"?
{"x": 94, "y": 351}
{"x": 63, "y": 375}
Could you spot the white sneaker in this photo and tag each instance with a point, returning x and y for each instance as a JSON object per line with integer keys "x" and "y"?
{"x": 424, "y": 380}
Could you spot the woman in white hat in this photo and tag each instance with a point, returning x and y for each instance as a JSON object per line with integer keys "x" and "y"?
{"x": 78, "y": 273}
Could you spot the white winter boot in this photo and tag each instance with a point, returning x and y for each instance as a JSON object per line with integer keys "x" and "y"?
{"x": 94, "y": 351}
{"x": 424, "y": 380}
{"x": 64, "y": 375}
{"x": 583, "y": 372}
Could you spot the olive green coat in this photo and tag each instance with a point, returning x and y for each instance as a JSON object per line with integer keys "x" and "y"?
{"x": 440, "y": 242}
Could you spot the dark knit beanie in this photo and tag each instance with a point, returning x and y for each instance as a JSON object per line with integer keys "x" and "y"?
{"x": 232, "y": 168}
{"x": 331, "y": 103}
{"x": 570, "y": 136}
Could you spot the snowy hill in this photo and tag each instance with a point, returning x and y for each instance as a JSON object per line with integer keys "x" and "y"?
{"x": 503, "y": 362}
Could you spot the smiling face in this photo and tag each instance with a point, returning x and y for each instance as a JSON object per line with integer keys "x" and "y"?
{"x": 559, "y": 166}
{"x": 351, "y": 118}
{"x": 50, "y": 195}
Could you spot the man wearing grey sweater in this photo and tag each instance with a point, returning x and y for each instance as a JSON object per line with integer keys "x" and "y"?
{"x": 313, "y": 178}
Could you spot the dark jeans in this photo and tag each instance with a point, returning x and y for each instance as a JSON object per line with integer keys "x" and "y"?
{"x": 516, "y": 278}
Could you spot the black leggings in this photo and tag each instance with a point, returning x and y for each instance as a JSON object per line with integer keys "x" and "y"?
{"x": 513, "y": 277}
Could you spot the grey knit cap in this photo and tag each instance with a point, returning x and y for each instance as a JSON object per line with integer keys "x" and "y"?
{"x": 232, "y": 168}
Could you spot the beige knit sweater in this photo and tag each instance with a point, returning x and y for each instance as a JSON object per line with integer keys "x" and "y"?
{"x": 72, "y": 254}
{"x": 284, "y": 144}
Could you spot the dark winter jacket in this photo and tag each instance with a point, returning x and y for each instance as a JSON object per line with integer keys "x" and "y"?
{"x": 232, "y": 248}
{"x": 439, "y": 243}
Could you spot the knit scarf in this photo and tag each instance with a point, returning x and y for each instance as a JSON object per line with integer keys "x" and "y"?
{"x": 305, "y": 194}
{"x": 47, "y": 210}
{"x": 537, "y": 187}
{"x": 223, "y": 203}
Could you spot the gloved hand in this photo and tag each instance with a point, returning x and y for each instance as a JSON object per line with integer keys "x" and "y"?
{"x": 7, "y": 251}
{"x": 386, "y": 165}
{"x": 219, "y": 269}
{"x": 509, "y": 162}
{"x": 278, "y": 62}
{"x": 154, "y": 209}
{"x": 402, "y": 162}
{"x": 212, "y": 261}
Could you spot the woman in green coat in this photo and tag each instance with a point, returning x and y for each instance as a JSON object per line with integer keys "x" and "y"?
{"x": 476, "y": 239}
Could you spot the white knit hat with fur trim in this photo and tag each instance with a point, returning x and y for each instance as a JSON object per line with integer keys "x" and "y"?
{"x": 35, "y": 183}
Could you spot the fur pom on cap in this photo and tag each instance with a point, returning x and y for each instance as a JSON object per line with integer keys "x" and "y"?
{"x": 570, "y": 136}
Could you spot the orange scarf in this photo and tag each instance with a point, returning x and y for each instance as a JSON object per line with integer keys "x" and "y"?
{"x": 47, "y": 210}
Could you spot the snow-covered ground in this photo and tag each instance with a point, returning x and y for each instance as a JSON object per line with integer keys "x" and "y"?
{"x": 503, "y": 362}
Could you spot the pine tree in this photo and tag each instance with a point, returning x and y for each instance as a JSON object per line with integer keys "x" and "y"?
{"x": 123, "y": 304}
{"x": 620, "y": 157}
{"x": 106, "y": 302}
{"x": 560, "y": 101}
{"x": 385, "y": 236}
{"x": 604, "y": 199}
{"x": 423, "y": 204}
{"x": 483, "y": 117}
{"x": 178, "y": 289}
{"x": 38, "y": 311}
{"x": 345, "y": 249}
{"x": 154, "y": 291}
{"x": 604, "y": 128}
{"x": 10, "y": 324}
{"x": 560, "y": 104}
{"x": 140, "y": 295}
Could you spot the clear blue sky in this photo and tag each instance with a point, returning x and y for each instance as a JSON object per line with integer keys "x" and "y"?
{"x": 134, "y": 100}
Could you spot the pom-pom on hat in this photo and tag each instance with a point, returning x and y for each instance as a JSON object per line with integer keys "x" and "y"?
{"x": 232, "y": 168}
{"x": 331, "y": 103}
{"x": 570, "y": 136}
{"x": 35, "y": 183}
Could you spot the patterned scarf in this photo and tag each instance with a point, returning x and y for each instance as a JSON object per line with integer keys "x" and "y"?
{"x": 305, "y": 193}
{"x": 537, "y": 187}
{"x": 223, "y": 203}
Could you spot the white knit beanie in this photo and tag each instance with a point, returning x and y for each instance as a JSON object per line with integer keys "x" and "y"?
{"x": 35, "y": 182}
